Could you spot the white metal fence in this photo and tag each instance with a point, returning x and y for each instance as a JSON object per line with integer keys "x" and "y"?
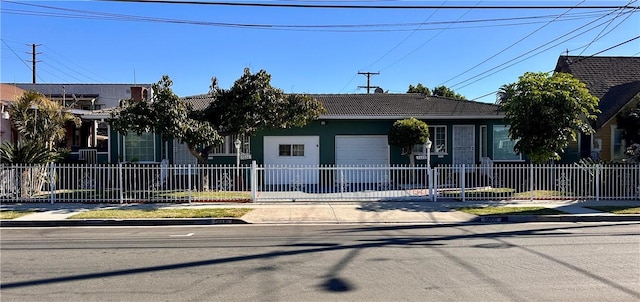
{"x": 138, "y": 183}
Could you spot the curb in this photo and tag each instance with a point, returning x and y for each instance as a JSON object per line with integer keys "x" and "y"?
{"x": 555, "y": 218}
{"x": 121, "y": 222}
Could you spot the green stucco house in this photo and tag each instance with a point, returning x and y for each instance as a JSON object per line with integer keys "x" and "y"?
{"x": 353, "y": 131}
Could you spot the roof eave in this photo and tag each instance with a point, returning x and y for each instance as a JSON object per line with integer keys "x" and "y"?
{"x": 421, "y": 117}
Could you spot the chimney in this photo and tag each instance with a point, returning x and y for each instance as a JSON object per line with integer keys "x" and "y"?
{"x": 138, "y": 93}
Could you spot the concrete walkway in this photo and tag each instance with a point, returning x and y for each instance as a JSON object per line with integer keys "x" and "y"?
{"x": 414, "y": 212}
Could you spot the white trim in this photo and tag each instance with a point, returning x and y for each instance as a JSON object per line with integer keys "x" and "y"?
{"x": 493, "y": 153}
{"x": 484, "y": 146}
{"x": 433, "y": 142}
{"x": 229, "y": 147}
{"x": 124, "y": 148}
{"x": 109, "y": 142}
{"x": 614, "y": 157}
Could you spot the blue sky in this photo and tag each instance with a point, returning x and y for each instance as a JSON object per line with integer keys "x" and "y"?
{"x": 307, "y": 50}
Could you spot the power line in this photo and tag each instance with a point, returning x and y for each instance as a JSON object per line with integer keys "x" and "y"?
{"x": 85, "y": 14}
{"x": 509, "y": 47}
{"x": 580, "y": 59}
{"x": 425, "y": 42}
{"x": 19, "y": 58}
{"x": 403, "y": 40}
{"x": 520, "y": 56}
{"x": 600, "y": 34}
{"x": 345, "y": 6}
{"x": 52, "y": 59}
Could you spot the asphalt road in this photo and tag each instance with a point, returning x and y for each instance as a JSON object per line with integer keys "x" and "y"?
{"x": 496, "y": 262}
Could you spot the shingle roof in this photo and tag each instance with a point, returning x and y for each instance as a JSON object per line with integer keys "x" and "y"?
{"x": 198, "y": 102}
{"x": 383, "y": 105}
{"x": 614, "y": 80}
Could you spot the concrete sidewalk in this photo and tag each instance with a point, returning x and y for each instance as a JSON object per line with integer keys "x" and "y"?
{"x": 413, "y": 212}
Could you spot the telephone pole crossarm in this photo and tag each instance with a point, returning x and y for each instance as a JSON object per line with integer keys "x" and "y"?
{"x": 368, "y": 74}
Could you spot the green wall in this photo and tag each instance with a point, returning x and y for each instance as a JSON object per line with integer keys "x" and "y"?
{"x": 331, "y": 128}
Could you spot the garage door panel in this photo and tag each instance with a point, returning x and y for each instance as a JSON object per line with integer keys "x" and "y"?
{"x": 365, "y": 151}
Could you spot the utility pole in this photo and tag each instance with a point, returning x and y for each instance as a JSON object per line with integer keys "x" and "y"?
{"x": 368, "y": 74}
{"x": 34, "y": 61}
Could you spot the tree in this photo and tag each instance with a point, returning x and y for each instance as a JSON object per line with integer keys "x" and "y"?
{"x": 447, "y": 92}
{"x": 39, "y": 120}
{"x": 406, "y": 134}
{"x": 250, "y": 105}
{"x": 419, "y": 89}
{"x": 545, "y": 112}
{"x": 170, "y": 117}
{"x": 629, "y": 121}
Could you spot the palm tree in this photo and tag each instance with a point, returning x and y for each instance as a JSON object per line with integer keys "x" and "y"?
{"x": 40, "y": 120}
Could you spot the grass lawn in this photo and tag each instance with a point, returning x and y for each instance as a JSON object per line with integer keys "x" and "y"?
{"x": 162, "y": 213}
{"x": 616, "y": 209}
{"x": 14, "y": 214}
{"x": 484, "y": 211}
{"x": 480, "y": 193}
{"x": 538, "y": 194}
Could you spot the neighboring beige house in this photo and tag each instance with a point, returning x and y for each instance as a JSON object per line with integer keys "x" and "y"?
{"x": 8, "y": 94}
{"x": 615, "y": 81}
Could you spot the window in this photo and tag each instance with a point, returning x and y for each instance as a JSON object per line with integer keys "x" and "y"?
{"x": 617, "y": 144}
{"x": 483, "y": 142}
{"x": 102, "y": 139}
{"x": 503, "y": 145}
{"x": 438, "y": 137}
{"x": 228, "y": 147}
{"x": 290, "y": 150}
{"x": 139, "y": 148}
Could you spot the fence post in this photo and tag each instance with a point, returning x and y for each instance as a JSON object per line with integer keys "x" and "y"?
{"x": 254, "y": 181}
{"x": 189, "y": 181}
{"x": 435, "y": 184}
{"x": 530, "y": 182}
{"x": 430, "y": 175}
{"x": 597, "y": 182}
{"x": 462, "y": 184}
{"x": 120, "y": 183}
{"x": 52, "y": 186}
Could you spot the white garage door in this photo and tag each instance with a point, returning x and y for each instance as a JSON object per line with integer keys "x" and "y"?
{"x": 288, "y": 156}
{"x": 362, "y": 150}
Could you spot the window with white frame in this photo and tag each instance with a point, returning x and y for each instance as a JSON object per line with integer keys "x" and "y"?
{"x": 618, "y": 147}
{"x": 503, "y": 145}
{"x": 228, "y": 147}
{"x": 287, "y": 150}
{"x": 438, "y": 137}
{"x": 484, "y": 152}
{"x": 140, "y": 148}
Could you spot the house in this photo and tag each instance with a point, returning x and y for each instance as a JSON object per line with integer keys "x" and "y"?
{"x": 8, "y": 94}
{"x": 90, "y": 142}
{"x": 615, "y": 81}
{"x": 353, "y": 131}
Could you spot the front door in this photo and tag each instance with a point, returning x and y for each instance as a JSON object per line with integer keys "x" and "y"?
{"x": 463, "y": 145}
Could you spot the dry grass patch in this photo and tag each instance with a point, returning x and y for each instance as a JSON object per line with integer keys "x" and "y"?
{"x": 14, "y": 214}
{"x": 163, "y": 213}
{"x": 616, "y": 209}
